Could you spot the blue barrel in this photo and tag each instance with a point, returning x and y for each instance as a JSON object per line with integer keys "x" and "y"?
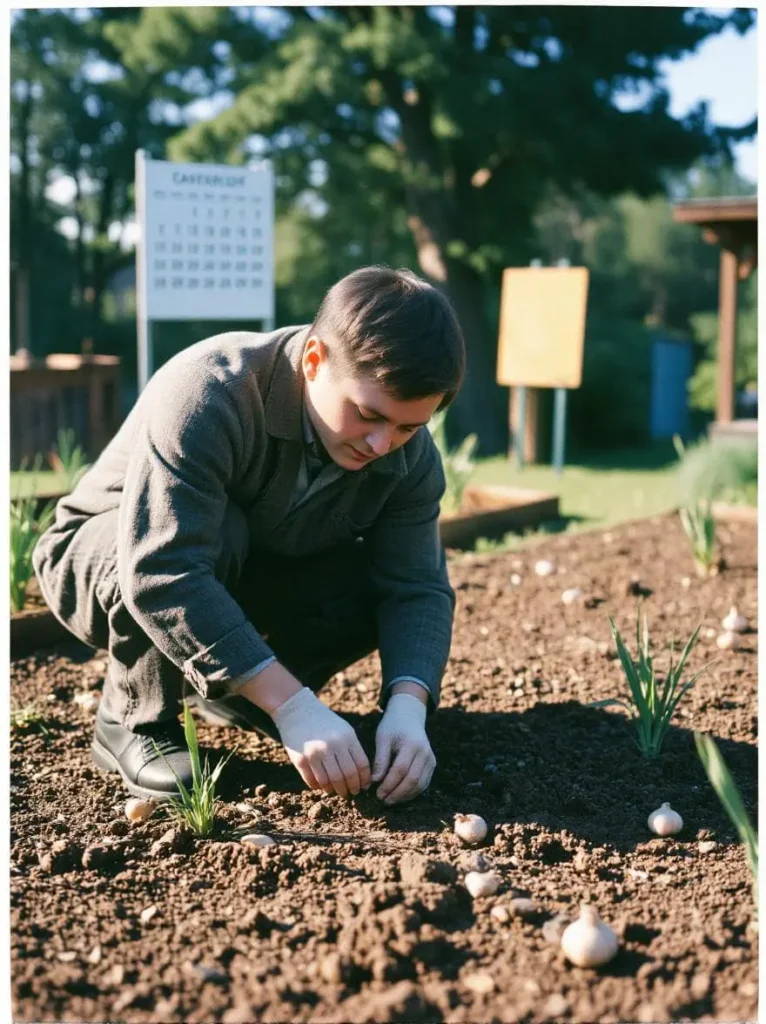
{"x": 671, "y": 369}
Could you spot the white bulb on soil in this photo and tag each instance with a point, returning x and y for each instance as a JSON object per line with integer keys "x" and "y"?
{"x": 544, "y": 567}
{"x": 734, "y": 622}
{"x": 257, "y": 839}
{"x": 728, "y": 641}
{"x": 139, "y": 810}
{"x": 665, "y": 821}
{"x": 482, "y": 883}
{"x": 471, "y": 828}
{"x": 588, "y": 941}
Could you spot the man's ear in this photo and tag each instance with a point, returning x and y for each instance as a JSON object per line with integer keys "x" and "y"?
{"x": 314, "y": 353}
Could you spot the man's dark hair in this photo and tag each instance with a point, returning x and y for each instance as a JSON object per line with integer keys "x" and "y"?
{"x": 393, "y": 328}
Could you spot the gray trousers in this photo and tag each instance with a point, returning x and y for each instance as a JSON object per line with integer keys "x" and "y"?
{"x": 316, "y": 613}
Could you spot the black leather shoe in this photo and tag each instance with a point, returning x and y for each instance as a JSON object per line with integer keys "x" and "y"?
{"x": 134, "y": 756}
{"x": 234, "y": 712}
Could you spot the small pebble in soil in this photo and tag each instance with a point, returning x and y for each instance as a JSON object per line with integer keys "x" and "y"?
{"x": 94, "y": 957}
{"x": 148, "y": 913}
{"x": 523, "y": 907}
{"x": 333, "y": 968}
{"x": 555, "y": 1007}
{"x": 482, "y": 883}
{"x": 479, "y": 982}
{"x": 553, "y": 929}
{"x": 706, "y": 846}
{"x": 544, "y": 568}
{"x": 164, "y": 844}
{"x": 515, "y": 579}
{"x": 87, "y": 699}
{"x": 571, "y": 595}
{"x": 500, "y": 913}
{"x": 318, "y": 812}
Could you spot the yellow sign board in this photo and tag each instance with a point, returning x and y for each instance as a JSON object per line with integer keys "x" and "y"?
{"x": 542, "y": 326}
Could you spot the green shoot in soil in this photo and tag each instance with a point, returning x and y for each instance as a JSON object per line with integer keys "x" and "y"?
{"x": 196, "y": 809}
{"x": 26, "y": 527}
{"x": 726, "y": 789}
{"x": 699, "y": 527}
{"x": 68, "y": 458}
{"x": 651, "y": 705}
{"x": 27, "y": 716}
{"x": 458, "y": 464}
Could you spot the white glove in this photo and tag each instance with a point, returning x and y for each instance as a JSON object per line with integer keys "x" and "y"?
{"x": 322, "y": 745}
{"x": 402, "y": 734}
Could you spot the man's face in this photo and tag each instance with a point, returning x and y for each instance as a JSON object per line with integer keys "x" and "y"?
{"x": 355, "y": 419}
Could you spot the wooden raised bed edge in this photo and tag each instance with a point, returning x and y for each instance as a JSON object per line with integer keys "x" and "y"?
{"x": 725, "y": 513}
{"x": 34, "y": 629}
{"x": 491, "y": 512}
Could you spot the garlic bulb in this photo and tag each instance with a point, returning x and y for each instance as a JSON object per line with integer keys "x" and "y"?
{"x": 571, "y": 595}
{"x": 588, "y": 941}
{"x": 544, "y": 567}
{"x": 734, "y": 622}
{"x": 482, "y": 883}
{"x": 665, "y": 821}
{"x": 257, "y": 839}
{"x": 728, "y": 641}
{"x": 139, "y": 810}
{"x": 470, "y": 827}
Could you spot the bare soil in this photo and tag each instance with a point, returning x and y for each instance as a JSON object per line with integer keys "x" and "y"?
{"x": 359, "y": 913}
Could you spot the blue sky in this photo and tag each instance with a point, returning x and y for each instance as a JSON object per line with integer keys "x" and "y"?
{"x": 724, "y": 72}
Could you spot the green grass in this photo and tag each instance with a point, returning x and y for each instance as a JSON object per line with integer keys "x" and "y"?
{"x": 49, "y": 484}
{"x": 597, "y": 490}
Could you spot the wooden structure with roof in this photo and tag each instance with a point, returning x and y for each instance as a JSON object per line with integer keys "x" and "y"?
{"x": 731, "y": 223}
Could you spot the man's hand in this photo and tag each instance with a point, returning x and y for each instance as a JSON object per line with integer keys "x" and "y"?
{"x": 322, "y": 745}
{"x": 401, "y": 735}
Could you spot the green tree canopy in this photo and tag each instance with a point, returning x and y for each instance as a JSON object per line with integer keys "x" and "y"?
{"x": 468, "y": 114}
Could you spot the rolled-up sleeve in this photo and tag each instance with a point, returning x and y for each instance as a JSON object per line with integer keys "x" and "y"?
{"x": 170, "y": 532}
{"x": 415, "y": 601}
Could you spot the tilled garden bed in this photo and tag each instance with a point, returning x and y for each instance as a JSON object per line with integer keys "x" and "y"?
{"x": 359, "y": 913}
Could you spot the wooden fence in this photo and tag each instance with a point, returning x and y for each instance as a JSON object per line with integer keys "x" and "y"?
{"x": 64, "y": 391}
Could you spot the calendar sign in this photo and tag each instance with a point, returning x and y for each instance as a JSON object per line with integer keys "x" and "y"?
{"x": 206, "y": 249}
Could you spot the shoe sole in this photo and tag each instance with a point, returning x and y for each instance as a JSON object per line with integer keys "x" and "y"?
{"x": 107, "y": 762}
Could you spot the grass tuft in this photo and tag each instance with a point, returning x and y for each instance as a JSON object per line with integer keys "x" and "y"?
{"x": 195, "y": 810}
{"x": 651, "y": 703}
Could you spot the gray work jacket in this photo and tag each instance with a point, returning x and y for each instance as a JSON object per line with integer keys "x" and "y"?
{"x": 221, "y": 423}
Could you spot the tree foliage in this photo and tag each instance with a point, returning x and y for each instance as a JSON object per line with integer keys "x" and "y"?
{"x": 439, "y": 137}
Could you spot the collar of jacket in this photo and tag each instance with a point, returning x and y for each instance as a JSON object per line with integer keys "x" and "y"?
{"x": 284, "y": 404}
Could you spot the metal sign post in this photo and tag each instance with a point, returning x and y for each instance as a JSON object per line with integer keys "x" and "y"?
{"x": 205, "y": 249}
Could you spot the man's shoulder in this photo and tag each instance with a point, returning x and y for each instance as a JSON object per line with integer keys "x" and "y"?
{"x": 232, "y": 355}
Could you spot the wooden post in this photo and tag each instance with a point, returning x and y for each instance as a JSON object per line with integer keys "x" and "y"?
{"x": 727, "y": 335}
{"x": 524, "y": 435}
{"x": 531, "y": 438}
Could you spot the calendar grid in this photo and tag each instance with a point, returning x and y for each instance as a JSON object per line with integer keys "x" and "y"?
{"x": 205, "y": 249}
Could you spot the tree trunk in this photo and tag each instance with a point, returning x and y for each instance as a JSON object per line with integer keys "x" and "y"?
{"x": 99, "y": 253}
{"x": 481, "y": 406}
{"x": 23, "y": 333}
